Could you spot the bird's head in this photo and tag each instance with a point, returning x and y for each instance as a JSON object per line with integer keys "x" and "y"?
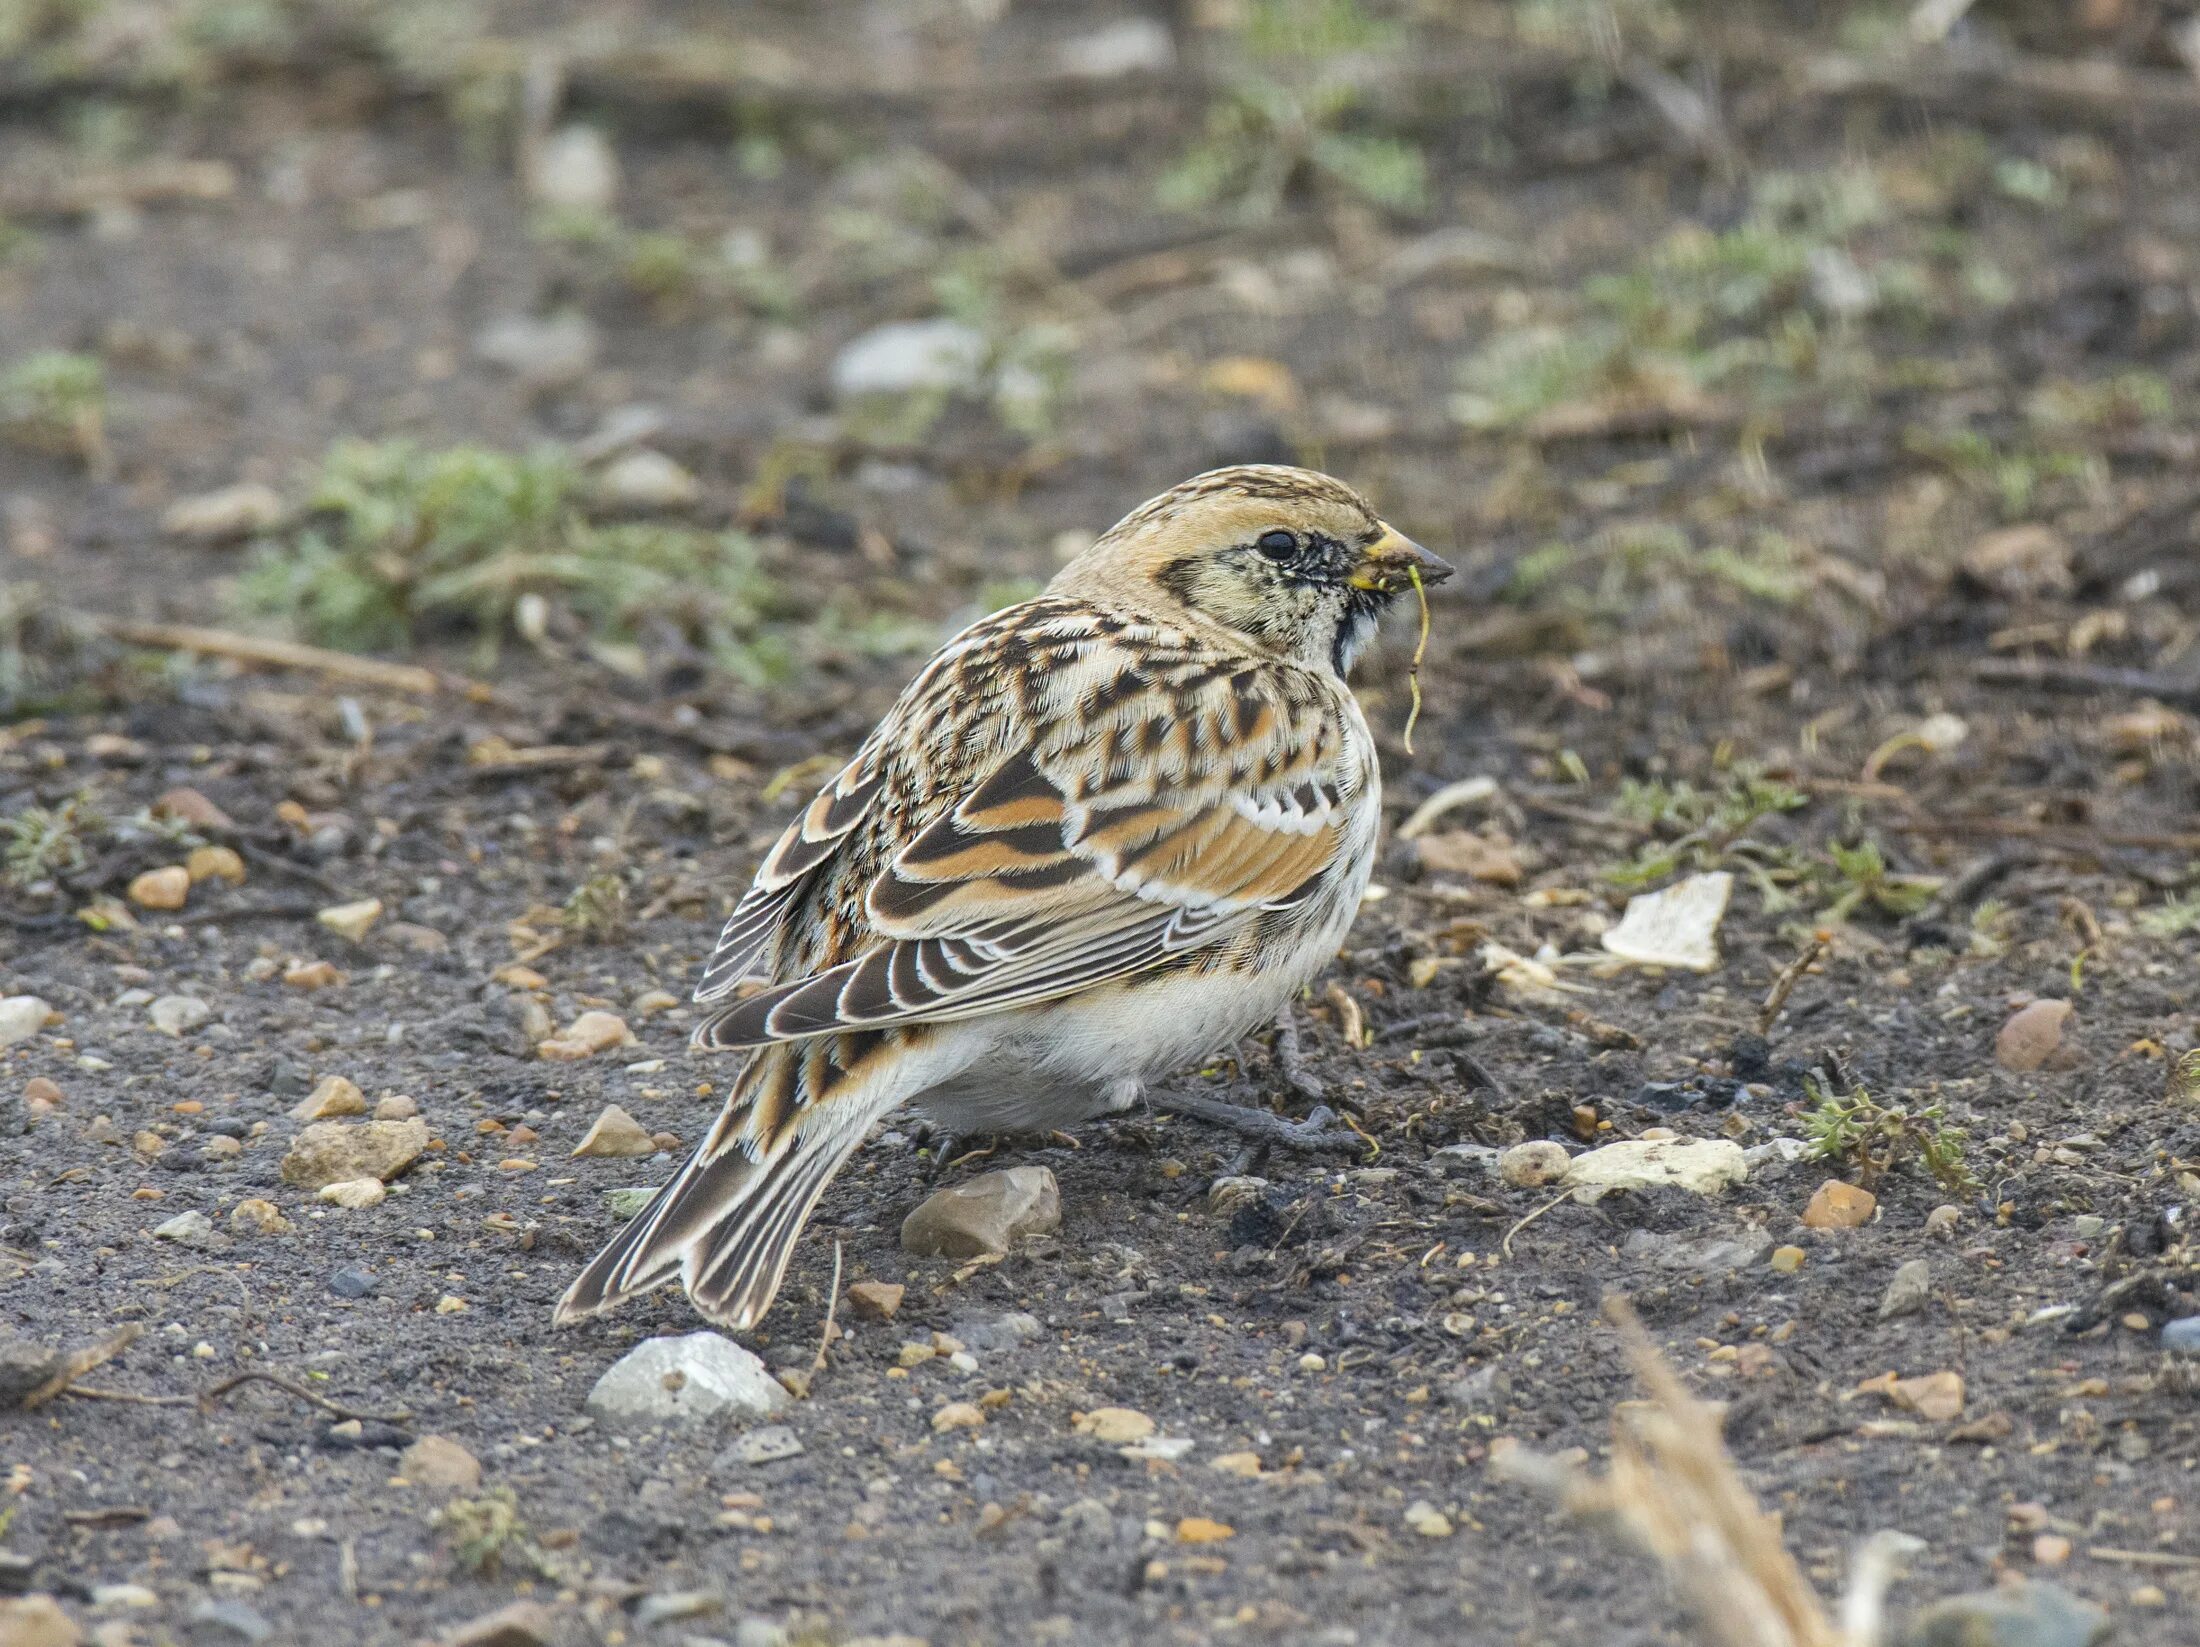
{"x": 1294, "y": 561}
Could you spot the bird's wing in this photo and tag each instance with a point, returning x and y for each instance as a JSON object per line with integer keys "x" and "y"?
{"x": 793, "y": 862}
{"x": 1159, "y": 815}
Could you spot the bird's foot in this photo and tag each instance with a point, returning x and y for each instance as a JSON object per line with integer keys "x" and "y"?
{"x": 1312, "y": 1136}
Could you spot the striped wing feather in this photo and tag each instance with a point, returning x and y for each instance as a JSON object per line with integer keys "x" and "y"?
{"x": 1046, "y": 880}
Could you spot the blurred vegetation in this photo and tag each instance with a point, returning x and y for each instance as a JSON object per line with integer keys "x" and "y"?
{"x": 399, "y": 540}
{"x": 1293, "y": 114}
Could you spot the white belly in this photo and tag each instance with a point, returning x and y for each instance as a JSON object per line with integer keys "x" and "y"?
{"x": 1092, "y": 1053}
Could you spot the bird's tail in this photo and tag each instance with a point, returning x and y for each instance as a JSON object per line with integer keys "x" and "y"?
{"x": 726, "y": 1224}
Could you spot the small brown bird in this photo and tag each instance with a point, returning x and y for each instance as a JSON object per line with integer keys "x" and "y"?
{"x": 1104, "y": 834}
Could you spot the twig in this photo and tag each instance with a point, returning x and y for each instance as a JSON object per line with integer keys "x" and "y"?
{"x": 205, "y": 1400}
{"x": 1790, "y": 975}
{"x": 832, "y": 1306}
{"x": 2060, "y": 675}
{"x": 1506, "y": 1246}
{"x": 74, "y": 1364}
{"x": 409, "y": 678}
{"x": 2073, "y": 839}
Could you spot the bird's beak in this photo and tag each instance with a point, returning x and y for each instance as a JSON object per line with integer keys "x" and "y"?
{"x": 1391, "y": 562}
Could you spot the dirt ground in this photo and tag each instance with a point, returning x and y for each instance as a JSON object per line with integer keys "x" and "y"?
{"x": 1815, "y": 419}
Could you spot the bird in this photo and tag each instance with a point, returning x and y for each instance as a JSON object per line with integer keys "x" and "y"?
{"x": 1103, "y": 834}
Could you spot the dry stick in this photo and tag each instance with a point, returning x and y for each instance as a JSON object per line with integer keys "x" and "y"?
{"x": 832, "y": 1305}
{"x": 280, "y": 654}
{"x": 1506, "y": 1246}
{"x": 1791, "y": 975}
{"x": 2068, "y": 839}
{"x": 76, "y": 1363}
{"x": 204, "y": 1400}
{"x": 2061, "y": 675}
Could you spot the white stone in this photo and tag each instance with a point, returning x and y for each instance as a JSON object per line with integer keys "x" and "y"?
{"x": 645, "y": 479}
{"x": 174, "y": 1014}
{"x": 1131, "y": 45}
{"x": 21, "y": 1017}
{"x": 910, "y": 357}
{"x": 575, "y": 169}
{"x": 1703, "y": 1166}
{"x": 1676, "y": 927}
{"x": 697, "y": 1378}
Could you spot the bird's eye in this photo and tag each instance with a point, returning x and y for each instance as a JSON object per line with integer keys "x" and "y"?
{"x": 1278, "y": 545}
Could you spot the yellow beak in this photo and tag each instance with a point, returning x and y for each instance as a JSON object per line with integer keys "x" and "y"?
{"x": 1390, "y": 562}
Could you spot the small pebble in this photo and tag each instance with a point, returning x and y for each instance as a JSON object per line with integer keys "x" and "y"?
{"x": 351, "y": 1282}
{"x": 161, "y": 889}
{"x": 1839, "y": 1206}
{"x": 958, "y": 1415}
{"x": 1787, "y": 1260}
{"x": 176, "y": 1014}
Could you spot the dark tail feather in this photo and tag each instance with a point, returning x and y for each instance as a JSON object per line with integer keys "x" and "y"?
{"x": 647, "y": 1252}
{"x": 733, "y": 1272}
{"x": 727, "y": 1222}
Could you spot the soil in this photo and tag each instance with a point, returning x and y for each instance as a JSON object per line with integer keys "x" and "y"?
{"x": 1370, "y": 1324}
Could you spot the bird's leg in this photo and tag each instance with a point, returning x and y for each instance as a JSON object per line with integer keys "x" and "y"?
{"x": 1290, "y": 1059}
{"x": 1310, "y": 1136}
{"x": 941, "y": 1145}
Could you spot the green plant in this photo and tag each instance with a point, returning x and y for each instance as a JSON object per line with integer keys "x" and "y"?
{"x": 57, "y": 402}
{"x": 1864, "y": 879}
{"x": 1711, "y": 822}
{"x": 399, "y": 539}
{"x": 1287, "y": 116}
{"x": 486, "y": 1532}
{"x": 597, "y": 908}
{"x": 2172, "y": 918}
{"x": 39, "y": 843}
{"x": 1869, "y": 1138}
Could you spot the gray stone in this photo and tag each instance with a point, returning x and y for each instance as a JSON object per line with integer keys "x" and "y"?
{"x": 1001, "y": 1332}
{"x": 191, "y": 1229}
{"x": 2182, "y": 1337}
{"x": 986, "y": 1214}
{"x": 767, "y": 1445}
{"x": 2029, "y": 1615}
{"x": 699, "y": 1377}
{"x": 351, "y": 1282}
{"x": 225, "y": 1618}
{"x": 911, "y": 357}
{"x": 1910, "y": 1290}
{"x": 21, "y": 1017}
{"x": 760, "y": 1632}
{"x": 1701, "y": 1255}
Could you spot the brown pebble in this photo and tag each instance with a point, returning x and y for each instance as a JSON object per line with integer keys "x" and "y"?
{"x": 162, "y": 889}
{"x": 2033, "y": 1036}
{"x": 876, "y": 1300}
{"x": 1839, "y": 1206}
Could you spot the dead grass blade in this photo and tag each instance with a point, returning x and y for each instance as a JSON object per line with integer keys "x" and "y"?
{"x": 1672, "y": 1492}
